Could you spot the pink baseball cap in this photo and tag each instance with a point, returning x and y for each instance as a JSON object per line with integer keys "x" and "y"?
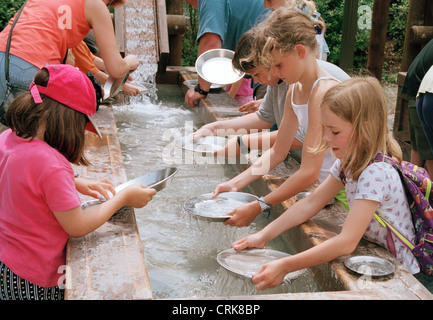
{"x": 70, "y": 87}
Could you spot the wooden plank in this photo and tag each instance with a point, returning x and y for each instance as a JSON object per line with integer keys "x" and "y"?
{"x": 416, "y": 17}
{"x": 109, "y": 262}
{"x": 162, "y": 32}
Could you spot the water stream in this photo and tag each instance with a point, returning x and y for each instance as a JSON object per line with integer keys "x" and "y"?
{"x": 180, "y": 249}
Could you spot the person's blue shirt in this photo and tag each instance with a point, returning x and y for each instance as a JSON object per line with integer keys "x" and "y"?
{"x": 229, "y": 18}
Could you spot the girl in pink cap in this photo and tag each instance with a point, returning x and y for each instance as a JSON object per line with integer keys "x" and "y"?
{"x": 40, "y": 206}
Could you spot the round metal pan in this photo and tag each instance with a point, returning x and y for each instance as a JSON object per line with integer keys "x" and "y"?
{"x": 157, "y": 179}
{"x": 113, "y": 86}
{"x": 205, "y": 145}
{"x": 216, "y": 209}
{"x": 215, "y": 66}
{"x": 246, "y": 263}
{"x": 370, "y": 266}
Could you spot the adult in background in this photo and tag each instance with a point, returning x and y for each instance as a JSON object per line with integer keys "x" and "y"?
{"x": 43, "y": 33}
{"x": 420, "y": 149}
{"x": 221, "y": 24}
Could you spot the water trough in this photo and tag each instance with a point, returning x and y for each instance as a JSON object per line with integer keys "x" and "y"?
{"x": 109, "y": 263}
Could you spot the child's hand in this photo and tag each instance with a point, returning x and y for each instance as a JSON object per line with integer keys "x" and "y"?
{"x": 94, "y": 188}
{"x": 250, "y": 107}
{"x": 243, "y": 216}
{"x": 130, "y": 90}
{"x": 224, "y": 187}
{"x": 202, "y": 132}
{"x": 270, "y": 275}
{"x": 249, "y": 242}
{"x": 137, "y": 195}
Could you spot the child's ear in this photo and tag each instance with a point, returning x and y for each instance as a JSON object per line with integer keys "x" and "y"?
{"x": 300, "y": 49}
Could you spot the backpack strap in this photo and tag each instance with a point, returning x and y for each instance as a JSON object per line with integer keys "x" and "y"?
{"x": 385, "y": 158}
{"x": 401, "y": 237}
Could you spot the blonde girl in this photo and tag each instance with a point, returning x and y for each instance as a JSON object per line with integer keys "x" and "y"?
{"x": 286, "y": 44}
{"x": 354, "y": 117}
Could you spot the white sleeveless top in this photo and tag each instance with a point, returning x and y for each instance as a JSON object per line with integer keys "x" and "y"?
{"x": 301, "y": 111}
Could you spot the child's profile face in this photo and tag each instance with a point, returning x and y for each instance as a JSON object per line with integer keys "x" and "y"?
{"x": 285, "y": 66}
{"x": 337, "y": 132}
{"x": 263, "y": 76}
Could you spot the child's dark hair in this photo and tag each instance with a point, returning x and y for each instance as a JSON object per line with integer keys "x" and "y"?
{"x": 242, "y": 58}
{"x": 64, "y": 127}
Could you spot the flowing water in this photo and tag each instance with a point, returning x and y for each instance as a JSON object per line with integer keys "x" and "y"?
{"x": 180, "y": 249}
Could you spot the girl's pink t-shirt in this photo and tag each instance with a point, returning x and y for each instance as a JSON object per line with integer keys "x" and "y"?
{"x": 45, "y": 30}
{"x": 35, "y": 181}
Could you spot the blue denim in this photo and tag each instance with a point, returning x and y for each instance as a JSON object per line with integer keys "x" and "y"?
{"x": 21, "y": 75}
{"x": 424, "y": 108}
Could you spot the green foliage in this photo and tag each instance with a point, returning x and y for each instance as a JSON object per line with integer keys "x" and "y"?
{"x": 333, "y": 11}
{"x": 7, "y": 10}
{"x": 189, "y": 43}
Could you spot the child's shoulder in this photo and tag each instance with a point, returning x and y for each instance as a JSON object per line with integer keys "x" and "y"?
{"x": 380, "y": 169}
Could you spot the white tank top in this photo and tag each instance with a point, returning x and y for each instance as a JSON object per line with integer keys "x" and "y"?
{"x": 301, "y": 111}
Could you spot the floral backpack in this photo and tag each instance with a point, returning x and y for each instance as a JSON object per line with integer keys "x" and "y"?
{"x": 417, "y": 185}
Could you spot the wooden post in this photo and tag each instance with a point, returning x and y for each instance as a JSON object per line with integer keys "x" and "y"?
{"x": 376, "y": 47}
{"x": 415, "y": 17}
{"x": 175, "y": 8}
{"x": 349, "y": 31}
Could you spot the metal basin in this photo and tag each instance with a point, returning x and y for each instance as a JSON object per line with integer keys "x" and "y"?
{"x": 205, "y": 146}
{"x": 156, "y": 179}
{"x": 216, "y": 209}
{"x": 215, "y": 66}
{"x": 113, "y": 86}
{"x": 248, "y": 262}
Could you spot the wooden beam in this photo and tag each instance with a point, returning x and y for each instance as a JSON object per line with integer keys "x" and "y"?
{"x": 415, "y": 17}
{"x": 162, "y": 34}
{"x": 421, "y": 34}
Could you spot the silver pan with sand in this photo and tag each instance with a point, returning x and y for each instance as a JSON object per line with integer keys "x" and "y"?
{"x": 216, "y": 209}
{"x": 246, "y": 263}
{"x": 205, "y": 145}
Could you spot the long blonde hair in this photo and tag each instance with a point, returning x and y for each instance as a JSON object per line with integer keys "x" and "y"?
{"x": 361, "y": 102}
{"x": 282, "y": 30}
